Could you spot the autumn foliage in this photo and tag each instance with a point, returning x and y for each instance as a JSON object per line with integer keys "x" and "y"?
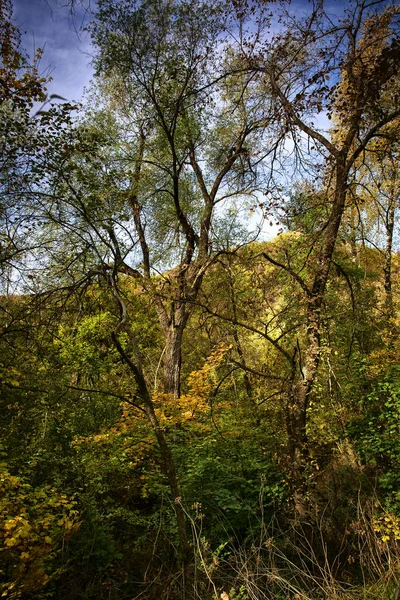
{"x": 199, "y": 310}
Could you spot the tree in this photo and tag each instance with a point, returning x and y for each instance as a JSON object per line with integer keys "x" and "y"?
{"x": 375, "y": 194}
{"x": 160, "y": 59}
{"x": 343, "y": 68}
{"x": 148, "y": 171}
{"x": 21, "y": 84}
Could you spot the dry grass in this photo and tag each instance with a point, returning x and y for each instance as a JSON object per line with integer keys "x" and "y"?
{"x": 297, "y": 564}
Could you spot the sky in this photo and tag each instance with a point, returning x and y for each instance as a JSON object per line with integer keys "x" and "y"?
{"x": 48, "y": 24}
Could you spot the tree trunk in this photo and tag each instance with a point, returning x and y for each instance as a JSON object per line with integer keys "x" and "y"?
{"x": 239, "y": 348}
{"x": 302, "y": 381}
{"x": 173, "y": 358}
{"x": 297, "y": 443}
{"x": 169, "y": 470}
{"x": 174, "y": 324}
{"x": 387, "y": 267}
{"x": 305, "y": 368}
{"x": 167, "y": 461}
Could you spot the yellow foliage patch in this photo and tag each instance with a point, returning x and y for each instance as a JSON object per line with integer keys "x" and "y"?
{"x": 35, "y": 523}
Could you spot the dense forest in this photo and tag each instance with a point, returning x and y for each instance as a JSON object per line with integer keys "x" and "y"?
{"x": 192, "y": 408}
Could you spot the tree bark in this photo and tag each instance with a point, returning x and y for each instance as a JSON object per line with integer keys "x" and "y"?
{"x": 173, "y": 357}
{"x": 387, "y": 267}
{"x": 304, "y": 370}
{"x": 167, "y": 461}
{"x": 168, "y": 467}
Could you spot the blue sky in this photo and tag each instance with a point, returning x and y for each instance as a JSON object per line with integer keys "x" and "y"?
{"x": 47, "y": 24}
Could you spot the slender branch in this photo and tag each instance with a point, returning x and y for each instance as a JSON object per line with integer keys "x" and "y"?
{"x": 249, "y": 328}
{"x": 286, "y": 268}
{"x": 288, "y": 106}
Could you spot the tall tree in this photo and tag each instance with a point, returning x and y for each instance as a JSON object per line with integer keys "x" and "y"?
{"x": 375, "y": 193}
{"x": 162, "y": 61}
{"x": 140, "y": 185}
{"x": 342, "y": 67}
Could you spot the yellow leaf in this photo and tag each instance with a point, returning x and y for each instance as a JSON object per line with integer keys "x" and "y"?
{"x": 11, "y": 542}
